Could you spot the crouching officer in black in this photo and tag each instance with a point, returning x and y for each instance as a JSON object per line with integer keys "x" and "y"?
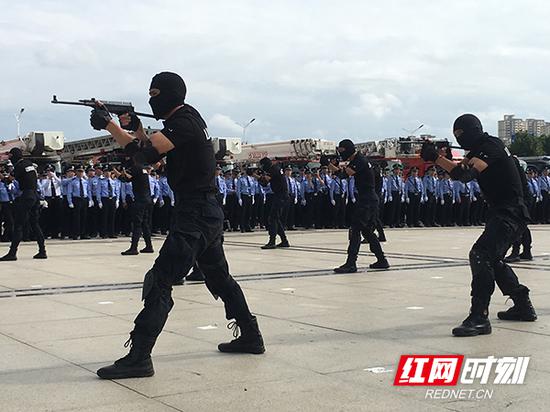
{"x": 26, "y": 205}
{"x": 365, "y": 210}
{"x": 196, "y": 228}
{"x": 489, "y": 161}
{"x": 273, "y": 176}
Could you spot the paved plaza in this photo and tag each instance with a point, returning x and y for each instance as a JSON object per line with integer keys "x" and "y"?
{"x": 333, "y": 341}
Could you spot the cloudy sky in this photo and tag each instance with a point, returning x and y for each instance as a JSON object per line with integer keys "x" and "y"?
{"x": 331, "y": 69}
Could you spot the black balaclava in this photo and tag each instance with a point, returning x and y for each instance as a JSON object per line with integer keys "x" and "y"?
{"x": 265, "y": 164}
{"x": 472, "y": 131}
{"x": 349, "y": 149}
{"x": 172, "y": 93}
{"x": 16, "y": 155}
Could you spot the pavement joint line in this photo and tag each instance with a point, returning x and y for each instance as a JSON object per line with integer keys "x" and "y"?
{"x": 521, "y": 330}
{"x": 316, "y": 249}
{"x": 259, "y": 276}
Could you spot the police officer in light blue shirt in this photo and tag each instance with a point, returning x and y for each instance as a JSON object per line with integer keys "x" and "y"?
{"x": 167, "y": 202}
{"x": 245, "y": 195}
{"x": 108, "y": 198}
{"x": 544, "y": 184}
{"x": 231, "y": 205}
{"x": 446, "y": 198}
{"x": 309, "y": 197}
{"x": 535, "y": 194}
{"x": 463, "y": 201}
{"x": 429, "y": 186}
{"x": 221, "y": 195}
{"x": 78, "y": 195}
{"x": 337, "y": 193}
{"x": 414, "y": 190}
{"x": 6, "y": 208}
{"x": 396, "y": 196}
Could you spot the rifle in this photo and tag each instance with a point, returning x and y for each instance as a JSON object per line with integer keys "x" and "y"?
{"x": 117, "y": 108}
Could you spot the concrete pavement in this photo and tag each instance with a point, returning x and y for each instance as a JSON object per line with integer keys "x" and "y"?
{"x": 333, "y": 341}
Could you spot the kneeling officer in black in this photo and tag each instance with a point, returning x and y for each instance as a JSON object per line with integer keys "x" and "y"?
{"x": 196, "y": 228}
{"x": 490, "y": 162}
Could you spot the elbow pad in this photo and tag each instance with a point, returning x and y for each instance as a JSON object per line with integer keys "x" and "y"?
{"x": 463, "y": 174}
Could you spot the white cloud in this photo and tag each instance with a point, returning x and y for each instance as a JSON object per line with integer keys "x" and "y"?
{"x": 377, "y": 105}
{"x": 299, "y": 66}
{"x": 224, "y": 124}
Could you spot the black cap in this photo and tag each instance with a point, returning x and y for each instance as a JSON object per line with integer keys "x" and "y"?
{"x": 98, "y": 166}
{"x": 69, "y": 169}
{"x": 79, "y": 168}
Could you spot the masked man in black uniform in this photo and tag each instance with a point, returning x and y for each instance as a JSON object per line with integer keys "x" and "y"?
{"x": 489, "y": 161}
{"x": 141, "y": 208}
{"x": 26, "y": 206}
{"x": 365, "y": 210}
{"x": 274, "y": 177}
{"x": 196, "y": 228}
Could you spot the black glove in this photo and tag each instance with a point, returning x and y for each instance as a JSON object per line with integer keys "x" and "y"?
{"x": 100, "y": 118}
{"x": 449, "y": 153}
{"x": 134, "y": 124}
{"x": 429, "y": 153}
{"x": 324, "y": 160}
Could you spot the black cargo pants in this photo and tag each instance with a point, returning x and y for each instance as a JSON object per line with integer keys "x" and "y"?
{"x": 363, "y": 220}
{"x": 195, "y": 235}
{"x": 486, "y": 256}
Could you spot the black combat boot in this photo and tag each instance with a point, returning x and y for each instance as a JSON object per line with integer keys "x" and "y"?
{"x": 523, "y": 308}
{"x": 284, "y": 243}
{"x": 130, "y": 252}
{"x": 477, "y": 322}
{"x": 147, "y": 249}
{"x": 270, "y": 245}
{"x": 9, "y": 257}
{"x": 513, "y": 257}
{"x": 348, "y": 267}
{"x": 137, "y": 364}
{"x": 41, "y": 255}
{"x": 381, "y": 263}
{"x": 526, "y": 255}
{"x": 249, "y": 341}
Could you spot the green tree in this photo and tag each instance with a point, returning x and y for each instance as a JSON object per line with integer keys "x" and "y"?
{"x": 545, "y": 144}
{"x": 526, "y": 145}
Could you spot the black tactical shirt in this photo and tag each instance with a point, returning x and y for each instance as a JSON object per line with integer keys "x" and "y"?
{"x": 364, "y": 178}
{"x": 278, "y": 181}
{"x": 500, "y": 182}
{"x": 140, "y": 184}
{"x": 191, "y": 165}
{"x": 26, "y": 176}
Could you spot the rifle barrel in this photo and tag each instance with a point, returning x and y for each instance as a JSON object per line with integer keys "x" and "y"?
{"x": 145, "y": 115}
{"x": 55, "y": 101}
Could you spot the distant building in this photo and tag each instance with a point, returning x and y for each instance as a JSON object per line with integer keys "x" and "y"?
{"x": 510, "y": 126}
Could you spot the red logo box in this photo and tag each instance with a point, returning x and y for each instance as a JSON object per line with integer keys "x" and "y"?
{"x": 428, "y": 370}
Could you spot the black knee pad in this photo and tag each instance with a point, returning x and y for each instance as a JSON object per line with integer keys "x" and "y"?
{"x": 154, "y": 292}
